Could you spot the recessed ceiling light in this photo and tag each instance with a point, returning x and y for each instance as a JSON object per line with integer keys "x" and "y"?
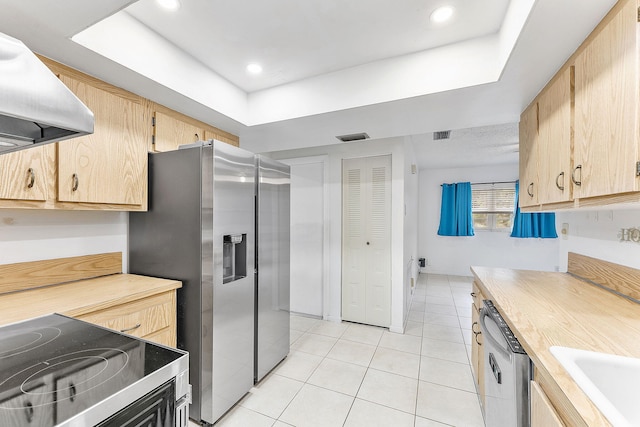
{"x": 441, "y": 14}
{"x": 254, "y": 68}
{"x": 169, "y": 4}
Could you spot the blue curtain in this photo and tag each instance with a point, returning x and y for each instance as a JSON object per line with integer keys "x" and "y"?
{"x": 455, "y": 211}
{"x": 535, "y": 224}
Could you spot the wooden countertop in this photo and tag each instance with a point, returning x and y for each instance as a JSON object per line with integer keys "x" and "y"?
{"x": 81, "y": 297}
{"x": 546, "y": 309}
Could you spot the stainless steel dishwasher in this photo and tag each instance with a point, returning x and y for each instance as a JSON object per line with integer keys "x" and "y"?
{"x": 506, "y": 372}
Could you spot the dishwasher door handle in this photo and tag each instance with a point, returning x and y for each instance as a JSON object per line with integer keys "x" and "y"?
{"x": 489, "y": 339}
{"x": 493, "y": 364}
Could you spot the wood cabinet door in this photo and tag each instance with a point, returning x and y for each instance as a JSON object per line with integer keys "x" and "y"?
{"x": 170, "y": 132}
{"x": 108, "y": 166}
{"x": 26, "y": 174}
{"x": 529, "y": 187}
{"x": 220, "y": 136}
{"x": 606, "y": 100}
{"x": 477, "y": 352}
{"x": 542, "y": 412}
{"x": 554, "y": 141}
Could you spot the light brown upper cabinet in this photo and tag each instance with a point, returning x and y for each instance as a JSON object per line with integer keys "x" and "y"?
{"x": 172, "y": 129}
{"x": 110, "y": 165}
{"x": 106, "y": 170}
{"x": 170, "y": 132}
{"x": 554, "y": 140}
{"x": 28, "y": 174}
{"x": 217, "y": 134}
{"x": 528, "y": 193}
{"x": 585, "y": 144}
{"x": 545, "y": 146}
{"x": 606, "y": 107}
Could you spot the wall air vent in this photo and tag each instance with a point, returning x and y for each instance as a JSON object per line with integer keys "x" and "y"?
{"x": 353, "y": 137}
{"x": 443, "y": 134}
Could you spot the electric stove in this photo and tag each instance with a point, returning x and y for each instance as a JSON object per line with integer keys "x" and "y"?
{"x": 59, "y": 371}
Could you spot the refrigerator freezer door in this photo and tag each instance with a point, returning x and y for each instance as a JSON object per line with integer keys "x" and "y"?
{"x": 272, "y": 314}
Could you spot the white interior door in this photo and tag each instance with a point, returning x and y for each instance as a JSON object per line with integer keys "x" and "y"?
{"x": 307, "y": 237}
{"x": 366, "y": 240}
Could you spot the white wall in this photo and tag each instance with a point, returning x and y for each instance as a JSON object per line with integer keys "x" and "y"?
{"x": 595, "y": 233}
{"x": 33, "y": 235}
{"x": 411, "y": 195}
{"x": 308, "y": 230}
{"x": 455, "y": 255}
{"x": 335, "y": 154}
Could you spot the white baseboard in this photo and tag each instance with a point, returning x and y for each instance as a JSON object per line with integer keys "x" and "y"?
{"x": 336, "y": 319}
{"x": 396, "y": 329}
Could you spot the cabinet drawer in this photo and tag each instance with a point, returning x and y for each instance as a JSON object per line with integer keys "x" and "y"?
{"x": 166, "y": 336}
{"x": 477, "y": 296}
{"x": 138, "y": 318}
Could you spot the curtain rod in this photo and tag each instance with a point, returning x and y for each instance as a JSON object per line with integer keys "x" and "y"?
{"x": 497, "y": 182}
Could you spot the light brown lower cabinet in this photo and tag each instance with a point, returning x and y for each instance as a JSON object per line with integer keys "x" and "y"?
{"x": 543, "y": 414}
{"x": 477, "y": 351}
{"x": 152, "y": 318}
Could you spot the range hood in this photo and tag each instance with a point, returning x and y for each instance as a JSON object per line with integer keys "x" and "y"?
{"x": 35, "y": 106}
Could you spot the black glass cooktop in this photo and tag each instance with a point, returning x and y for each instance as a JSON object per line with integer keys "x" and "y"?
{"x": 53, "y": 367}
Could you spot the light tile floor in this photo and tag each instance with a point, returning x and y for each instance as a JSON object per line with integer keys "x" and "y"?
{"x": 347, "y": 374}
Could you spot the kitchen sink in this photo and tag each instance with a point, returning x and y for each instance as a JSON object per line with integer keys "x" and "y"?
{"x": 612, "y": 382}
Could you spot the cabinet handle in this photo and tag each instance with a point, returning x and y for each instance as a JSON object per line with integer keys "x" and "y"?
{"x": 473, "y": 294}
{"x": 560, "y": 187}
{"x": 74, "y": 177}
{"x": 473, "y": 330}
{"x": 28, "y": 412}
{"x": 530, "y": 190}
{"x": 197, "y": 137}
{"x": 476, "y": 338}
{"x": 32, "y": 178}
{"x": 573, "y": 175}
{"x": 131, "y": 328}
{"x": 72, "y": 392}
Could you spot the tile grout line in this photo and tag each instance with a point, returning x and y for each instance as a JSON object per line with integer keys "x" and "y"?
{"x": 305, "y": 382}
{"x": 458, "y": 308}
{"x": 415, "y": 409}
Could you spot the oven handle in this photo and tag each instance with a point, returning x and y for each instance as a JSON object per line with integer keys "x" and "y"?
{"x": 488, "y": 337}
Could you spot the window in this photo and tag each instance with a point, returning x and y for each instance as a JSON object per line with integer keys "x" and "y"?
{"x": 492, "y": 206}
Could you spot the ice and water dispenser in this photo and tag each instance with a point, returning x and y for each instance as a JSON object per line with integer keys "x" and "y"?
{"x": 234, "y": 257}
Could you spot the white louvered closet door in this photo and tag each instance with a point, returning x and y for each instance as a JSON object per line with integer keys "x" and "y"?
{"x": 366, "y": 240}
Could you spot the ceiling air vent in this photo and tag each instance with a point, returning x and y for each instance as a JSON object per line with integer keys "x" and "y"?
{"x": 443, "y": 134}
{"x": 353, "y": 137}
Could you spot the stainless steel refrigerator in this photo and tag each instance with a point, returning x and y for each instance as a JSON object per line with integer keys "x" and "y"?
{"x": 200, "y": 229}
{"x": 272, "y": 255}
